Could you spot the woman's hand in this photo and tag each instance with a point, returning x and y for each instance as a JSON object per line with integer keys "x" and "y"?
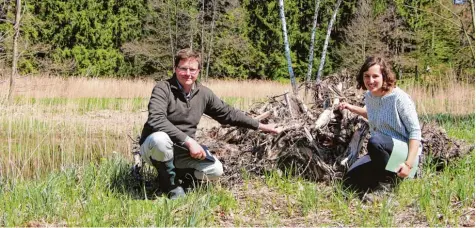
{"x": 355, "y": 109}
{"x": 403, "y": 170}
{"x": 345, "y": 105}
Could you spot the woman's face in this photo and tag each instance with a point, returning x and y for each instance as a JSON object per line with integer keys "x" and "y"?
{"x": 373, "y": 80}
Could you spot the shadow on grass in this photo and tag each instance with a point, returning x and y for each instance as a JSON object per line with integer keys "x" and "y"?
{"x": 141, "y": 185}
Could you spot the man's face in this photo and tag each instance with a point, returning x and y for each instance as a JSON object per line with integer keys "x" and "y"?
{"x": 187, "y": 71}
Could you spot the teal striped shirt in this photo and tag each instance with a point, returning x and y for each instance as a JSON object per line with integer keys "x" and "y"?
{"x": 394, "y": 115}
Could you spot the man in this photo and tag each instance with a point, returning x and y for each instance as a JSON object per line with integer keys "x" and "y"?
{"x": 175, "y": 109}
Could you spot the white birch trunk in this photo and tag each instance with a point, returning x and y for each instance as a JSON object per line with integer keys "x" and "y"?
{"x": 326, "y": 42}
{"x": 311, "y": 48}
{"x": 286, "y": 46}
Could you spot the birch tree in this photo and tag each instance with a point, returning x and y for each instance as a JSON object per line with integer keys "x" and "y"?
{"x": 16, "y": 28}
{"x": 286, "y": 46}
{"x": 326, "y": 42}
{"x": 4, "y": 33}
{"x": 202, "y": 33}
{"x": 311, "y": 48}
{"x": 210, "y": 42}
{"x": 172, "y": 41}
{"x": 471, "y": 5}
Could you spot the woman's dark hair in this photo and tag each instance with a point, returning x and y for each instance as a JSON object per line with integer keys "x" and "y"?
{"x": 185, "y": 54}
{"x": 389, "y": 79}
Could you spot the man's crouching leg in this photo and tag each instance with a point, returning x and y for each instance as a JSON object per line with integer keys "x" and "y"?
{"x": 206, "y": 171}
{"x": 157, "y": 150}
{"x": 193, "y": 170}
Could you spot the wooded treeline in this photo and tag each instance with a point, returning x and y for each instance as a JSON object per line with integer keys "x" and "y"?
{"x": 237, "y": 38}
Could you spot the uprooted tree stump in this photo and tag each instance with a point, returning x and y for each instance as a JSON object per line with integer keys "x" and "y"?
{"x": 318, "y": 142}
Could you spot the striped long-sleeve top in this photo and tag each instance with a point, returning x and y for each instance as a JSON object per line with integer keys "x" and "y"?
{"x": 393, "y": 114}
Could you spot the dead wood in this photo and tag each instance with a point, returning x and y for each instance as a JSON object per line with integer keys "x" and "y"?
{"x": 440, "y": 149}
{"x": 317, "y": 149}
{"x": 320, "y": 150}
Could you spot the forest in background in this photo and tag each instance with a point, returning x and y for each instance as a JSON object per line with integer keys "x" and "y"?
{"x": 239, "y": 39}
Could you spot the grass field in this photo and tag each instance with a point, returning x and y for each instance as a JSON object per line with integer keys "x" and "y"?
{"x": 66, "y": 156}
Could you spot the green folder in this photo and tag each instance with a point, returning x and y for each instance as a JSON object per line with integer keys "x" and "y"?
{"x": 399, "y": 155}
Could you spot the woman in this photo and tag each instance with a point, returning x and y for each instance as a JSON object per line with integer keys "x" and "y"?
{"x": 393, "y": 122}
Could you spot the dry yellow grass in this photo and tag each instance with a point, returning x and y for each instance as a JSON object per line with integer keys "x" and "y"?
{"x": 247, "y": 89}
{"x": 73, "y": 87}
{"x": 453, "y": 98}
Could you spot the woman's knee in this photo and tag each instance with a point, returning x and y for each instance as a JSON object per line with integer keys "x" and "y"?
{"x": 376, "y": 144}
{"x": 375, "y": 140}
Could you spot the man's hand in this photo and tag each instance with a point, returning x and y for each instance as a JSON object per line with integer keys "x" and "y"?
{"x": 196, "y": 151}
{"x": 270, "y": 128}
{"x": 403, "y": 170}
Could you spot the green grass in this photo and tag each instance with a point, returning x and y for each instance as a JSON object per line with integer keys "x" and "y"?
{"x": 85, "y": 105}
{"x": 441, "y": 197}
{"x": 31, "y": 148}
{"x": 461, "y": 127}
{"x": 63, "y": 173}
{"x": 101, "y": 195}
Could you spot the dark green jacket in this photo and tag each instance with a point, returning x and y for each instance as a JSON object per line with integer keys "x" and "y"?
{"x": 170, "y": 112}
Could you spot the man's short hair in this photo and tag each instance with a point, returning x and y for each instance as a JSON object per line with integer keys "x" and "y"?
{"x": 187, "y": 53}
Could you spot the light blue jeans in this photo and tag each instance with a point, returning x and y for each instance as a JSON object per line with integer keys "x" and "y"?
{"x": 159, "y": 146}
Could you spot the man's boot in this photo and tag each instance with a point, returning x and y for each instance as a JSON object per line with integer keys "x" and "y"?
{"x": 187, "y": 178}
{"x": 166, "y": 176}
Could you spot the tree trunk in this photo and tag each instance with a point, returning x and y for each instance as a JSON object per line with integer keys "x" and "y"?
{"x": 191, "y": 38}
{"x": 193, "y": 24}
{"x": 326, "y": 42}
{"x": 15, "y": 49}
{"x": 471, "y": 5}
{"x": 311, "y": 48}
{"x": 176, "y": 26}
{"x": 201, "y": 38}
{"x": 286, "y": 46}
{"x": 416, "y": 73}
{"x": 210, "y": 42}
{"x": 172, "y": 51}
